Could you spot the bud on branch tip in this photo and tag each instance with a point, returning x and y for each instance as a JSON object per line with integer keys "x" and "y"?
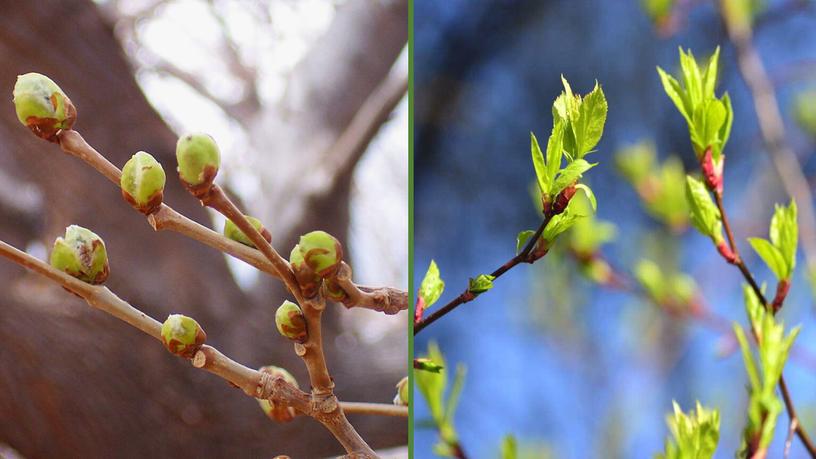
{"x": 182, "y": 335}
{"x": 198, "y": 159}
{"x": 143, "y": 182}
{"x": 321, "y": 252}
{"x": 42, "y": 106}
{"x": 290, "y": 322}
{"x": 81, "y": 254}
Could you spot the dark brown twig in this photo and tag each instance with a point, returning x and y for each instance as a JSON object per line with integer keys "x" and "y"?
{"x": 467, "y": 295}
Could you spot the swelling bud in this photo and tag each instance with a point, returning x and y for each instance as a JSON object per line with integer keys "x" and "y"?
{"x": 198, "y": 159}
{"x": 81, "y": 254}
{"x": 290, "y": 322}
{"x": 307, "y": 279}
{"x": 42, "y": 106}
{"x": 232, "y": 231}
{"x": 143, "y": 182}
{"x": 321, "y": 252}
{"x": 182, "y": 335}
{"x": 276, "y": 411}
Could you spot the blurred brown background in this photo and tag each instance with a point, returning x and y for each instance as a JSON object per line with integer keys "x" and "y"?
{"x": 77, "y": 383}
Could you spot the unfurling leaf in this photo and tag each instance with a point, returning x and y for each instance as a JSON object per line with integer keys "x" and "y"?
{"x": 694, "y": 435}
{"x": 709, "y": 119}
{"x": 704, "y": 213}
{"x": 522, "y": 238}
{"x": 780, "y": 252}
{"x": 570, "y": 174}
{"x": 432, "y": 286}
{"x": 480, "y": 284}
{"x": 426, "y": 364}
{"x": 774, "y": 346}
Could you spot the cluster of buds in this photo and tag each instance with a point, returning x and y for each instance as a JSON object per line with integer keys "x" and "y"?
{"x": 291, "y": 323}
{"x": 278, "y": 412}
{"x": 232, "y": 231}
{"x": 143, "y": 182}
{"x": 198, "y": 159}
{"x": 81, "y": 254}
{"x": 42, "y": 106}
{"x": 182, "y": 335}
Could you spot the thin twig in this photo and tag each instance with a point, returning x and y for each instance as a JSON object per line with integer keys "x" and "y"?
{"x": 219, "y": 201}
{"x": 467, "y": 296}
{"x": 379, "y": 409}
{"x": 166, "y": 218}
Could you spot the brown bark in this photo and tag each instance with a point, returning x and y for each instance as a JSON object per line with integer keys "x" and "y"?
{"x": 75, "y": 383}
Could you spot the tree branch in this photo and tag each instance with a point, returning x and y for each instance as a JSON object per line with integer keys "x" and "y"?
{"x": 467, "y": 296}
{"x": 166, "y": 218}
{"x": 323, "y": 407}
{"x": 783, "y": 388}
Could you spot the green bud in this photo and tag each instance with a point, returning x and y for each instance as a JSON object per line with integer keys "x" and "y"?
{"x": 321, "y": 252}
{"x": 307, "y": 279}
{"x": 280, "y": 413}
{"x": 42, "y": 106}
{"x": 182, "y": 335}
{"x": 142, "y": 183}
{"x": 333, "y": 291}
{"x": 82, "y": 254}
{"x": 233, "y": 232}
{"x": 290, "y": 322}
{"x": 402, "y": 392}
{"x": 198, "y": 162}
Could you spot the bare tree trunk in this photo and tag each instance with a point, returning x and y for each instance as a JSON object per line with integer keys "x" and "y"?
{"x": 73, "y": 382}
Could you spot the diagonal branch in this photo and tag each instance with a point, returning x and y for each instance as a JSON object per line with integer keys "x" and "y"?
{"x": 525, "y": 256}
{"x": 166, "y": 218}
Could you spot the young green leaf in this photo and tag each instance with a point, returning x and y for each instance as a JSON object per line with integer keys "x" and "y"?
{"x": 704, "y": 214}
{"x": 780, "y": 252}
{"x": 784, "y": 233}
{"x": 480, "y": 284}
{"x": 773, "y": 348}
{"x": 570, "y": 174}
{"x": 432, "y": 386}
{"x": 543, "y": 178}
{"x": 589, "y": 233}
{"x": 709, "y": 119}
{"x": 770, "y": 255}
{"x": 589, "y": 195}
{"x": 583, "y": 119}
{"x": 555, "y": 150}
{"x": 522, "y": 238}
{"x": 694, "y": 435}
{"x": 432, "y": 286}
{"x": 426, "y": 364}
